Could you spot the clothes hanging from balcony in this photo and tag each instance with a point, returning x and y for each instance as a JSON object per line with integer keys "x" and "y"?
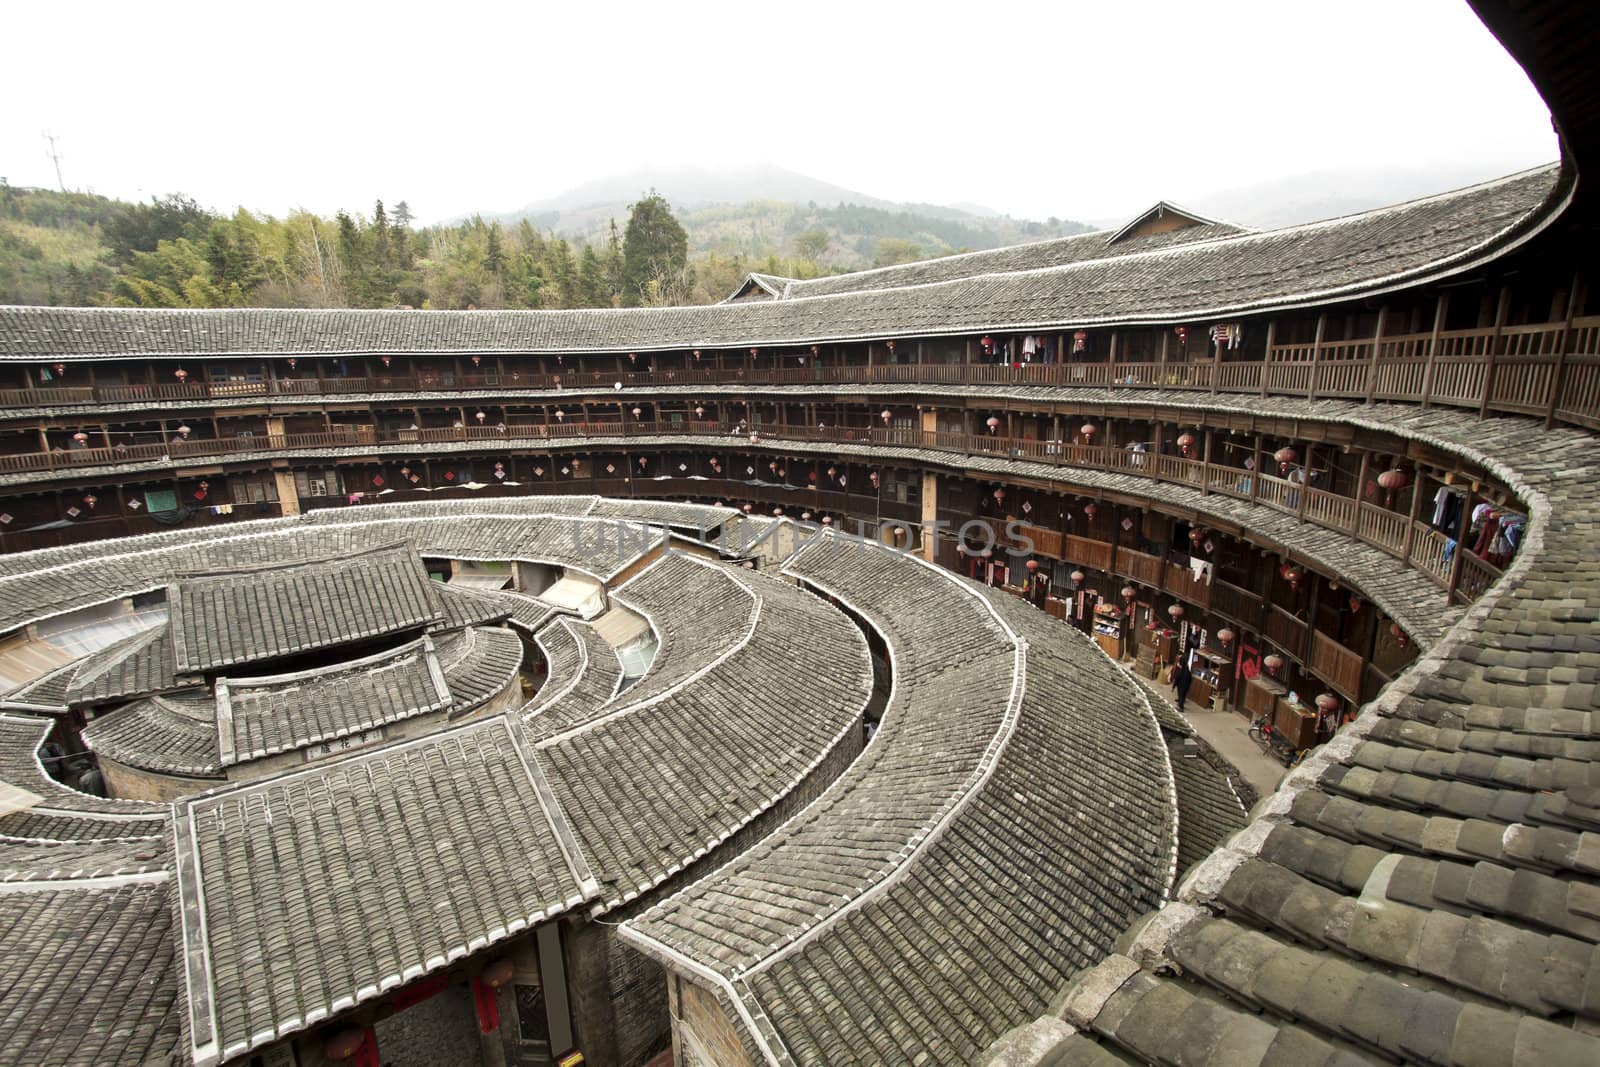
{"x": 1447, "y": 505}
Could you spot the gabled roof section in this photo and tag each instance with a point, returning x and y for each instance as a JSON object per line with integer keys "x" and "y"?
{"x": 1161, "y": 218}
{"x": 226, "y": 618}
{"x": 759, "y": 287}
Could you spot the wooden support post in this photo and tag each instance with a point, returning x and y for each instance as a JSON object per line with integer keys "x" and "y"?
{"x": 1305, "y": 482}
{"x": 1255, "y": 470}
{"x": 1440, "y": 309}
{"x": 1205, "y": 465}
{"x": 1461, "y": 549}
{"x": 1377, "y": 345}
{"x": 1501, "y": 308}
{"x": 1112, "y": 365}
{"x": 1361, "y": 487}
{"x": 1216, "y": 368}
{"x": 1564, "y": 342}
{"x": 1411, "y": 518}
{"x": 1266, "y": 365}
{"x": 1316, "y": 358}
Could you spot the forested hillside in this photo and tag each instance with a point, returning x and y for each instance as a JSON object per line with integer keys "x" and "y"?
{"x": 79, "y": 248}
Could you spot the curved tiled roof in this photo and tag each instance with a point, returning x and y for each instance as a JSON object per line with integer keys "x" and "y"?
{"x": 1036, "y": 255}
{"x": 160, "y": 734}
{"x": 584, "y": 675}
{"x": 729, "y": 715}
{"x": 889, "y": 886}
{"x": 1230, "y": 275}
{"x": 258, "y": 717}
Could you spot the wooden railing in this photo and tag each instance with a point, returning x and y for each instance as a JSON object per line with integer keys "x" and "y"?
{"x": 1240, "y": 605}
{"x": 1285, "y": 631}
{"x": 1139, "y": 566}
{"x": 1425, "y": 548}
{"x": 1549, "y": 369}
{"x": 1336, "y": 665}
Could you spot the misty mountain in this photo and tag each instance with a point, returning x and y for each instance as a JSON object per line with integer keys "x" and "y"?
{"x": 757, "y": 212}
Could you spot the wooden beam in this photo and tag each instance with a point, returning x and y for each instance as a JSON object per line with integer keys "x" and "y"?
{"x": 1502, "y": 306}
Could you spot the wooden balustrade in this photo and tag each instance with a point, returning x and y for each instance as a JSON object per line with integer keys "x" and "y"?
{"x": 1139, "y": 566}
{"x": 1527, "y": 360}
{"x": 1336, "y": 665}
{"x": 1475, "y": 577}
{"x": 1430, "y": 554}
{"x": 1285, "y": 631}
{"x": 1096, "y": 555}
{"x": 1181, "y": 583}
{"x": 1330, "y": 510}
{"x": 1240, "y": 605}
{"x": 1377, "y": 526}
{"x": 1381, "y": 527}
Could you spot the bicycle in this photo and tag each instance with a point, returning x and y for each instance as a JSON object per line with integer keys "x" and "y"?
{"x": 1274, "y": 743}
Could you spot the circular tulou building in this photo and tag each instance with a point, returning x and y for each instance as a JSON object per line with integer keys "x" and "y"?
{"x": 783, "y": 681}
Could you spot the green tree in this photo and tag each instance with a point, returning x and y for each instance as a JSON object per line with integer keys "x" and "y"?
{"x": 892, "y": 250}
{"x": 812, "y": 244}
{"x": 655, "y": 250}
{"x": 613, "y": 265}
{"x": 592, "y": 288}
{"x": 494, "y": 256}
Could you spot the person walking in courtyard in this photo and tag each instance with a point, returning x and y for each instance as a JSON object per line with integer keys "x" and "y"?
{"x": 1180, "y": 682}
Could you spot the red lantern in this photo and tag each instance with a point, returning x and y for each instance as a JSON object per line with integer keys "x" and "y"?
{"x": 875, "y": 480}
{"x": 386, "y": 360}
{"x": 999, "y": 494}
{"x": 1186, "y": 442}
{"x": 1175, "y": 610}
{"x": 80, "y": 437}
{"x": 699, "y": 411}
{"x": 1087, "y": 429}
{"x": 1272, "y": 662}
{"x": 993, "y": 424}
{"x": 755, "y": 352}
{"x": 1327, "y": 701}
{"x": 1292, "y": 574}
{"x": 637, "y": 411}
{"x": 1195, "y": 536}
{"x": 1091, "y": 510}
{"x": 498, "y": 973}
{"x": 1078, "y": 577}
{"x": 293, "y": 362}
{"x": 181, "y": 374}
{"x": 885, "y": 415}
{"x": 344, "y": 1044}
{"x": 1226, "y": 636}
{"x": 1183, "y": 335}
{"x": 1032, "y": 565}
{"x": 561, "y": 416}
{"x": 1398, "y": 634}
{"x": 480, "y": 416}
{"x": 1285, "y": 456}
{"x": 816, "y": 349}
{"x": 477, "y": 361}
{"x": 90, "y": 500}
{"x": 1393, "y": 479}
{"x": 61, "y": 368}
{"x": 891, "y": 345}
{"x": 1129, "y": 592}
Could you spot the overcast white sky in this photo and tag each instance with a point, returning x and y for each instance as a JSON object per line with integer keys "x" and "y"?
{"x": 1073, "y": 109}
